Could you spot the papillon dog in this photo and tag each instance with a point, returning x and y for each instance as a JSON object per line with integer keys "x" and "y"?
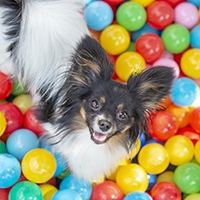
{"x": 90, "y": 119}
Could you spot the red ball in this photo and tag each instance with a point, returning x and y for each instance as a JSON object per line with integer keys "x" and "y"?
{"x": 4, "y": 194}
{"x": 160, "y": 14}
{"x": 5, "y": 86}
{"x": 114, "y": 2}
{"x": 13, "y": 115}
{"x": 164, "y": 125}
{"x": 150, "y": 47}
{"x": 173, "y": 3}
{"x": 106, "y": 191}
{"x": 165, "y": 191}
{"x": 32, "y": 123}
{"x": 195, "y": 119}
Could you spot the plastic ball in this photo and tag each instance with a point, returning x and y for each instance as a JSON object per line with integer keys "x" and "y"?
{"x": 107, "y": 190}
{"x": 196, "y": 151}
{"x": 195, "y": 37}
{"x": 115, "y": 39}
{"x": 169, "y": 63}
{"x": 98, "y": 15}
{"x": 164, "y": 125}
{"x": 114, "y": 2}
{"x": 21, "y": 142}
{"x": 49, "y": 195}
{"x": 184, "y": 92}
{"x": 66, "y": 195}
{"x": 144, "y": 30}
{"x": 18, "y": 87}
{"x": 195, "y": 2}
{"x": 86, "y": 2}
{"x": 25, "y": 190}
{"x": 165, "y": 191}
{"x": 13, "y": 115}
{"x": 167, "y": 176}
{"x": 10, "y": 170}
{"x": 160, "y": 14}
{"x": 173, "y": 3}
{"x": 150, "y": 47}
{"x": 195, "y": 119}
{"x": 154, "y": 158}
{"x": 131, "y": 16}
{"x": 45, "y": 188}
{"x": 142, "y": 138}
{"x": 137, "y": 196}
{"x": 5, "y": 86}
{"x": 190, "y": 62}
{"x": 38, "y": 165}
{"x": 176, "y": 38}
{"x": 187, "y": 178}
{"x": 79, "y": 185}
{"x": 131, "y": 178}
{"x": 151, "y": 181}
{"x": 129, "y": 63}
{"x": 2, "y": 147}
{"x": 186, "y": 14}
{"x": 4, "y": 194}
{"x": 180, "y": 149}
{"x": 193, "y": 197}
{"x": 144, "y": 3}
{"x": 2, "y": 123}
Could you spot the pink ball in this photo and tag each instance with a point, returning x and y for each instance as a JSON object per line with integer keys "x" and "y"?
{"x": 186, "y": 14}
{"x": 168, "y": 63}
{"x": 167, "y": 54}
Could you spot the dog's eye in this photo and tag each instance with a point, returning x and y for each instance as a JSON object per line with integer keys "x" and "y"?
{"x": 122, "y": 115}
{"x": 94, "y": 104}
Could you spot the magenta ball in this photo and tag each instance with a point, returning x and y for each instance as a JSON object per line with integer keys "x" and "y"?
{"x": 186, "y": 14}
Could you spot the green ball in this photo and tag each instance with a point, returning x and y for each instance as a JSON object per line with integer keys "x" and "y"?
{"x": 131, "y": 15}
{"x": 18, "y": 88}
{"x": 187, "y": 178}
{"x": 176, "y": 38}
{"x": 64, "y": 174}
{"x": 25, "y": 190}
{"x": 2, "y": 147}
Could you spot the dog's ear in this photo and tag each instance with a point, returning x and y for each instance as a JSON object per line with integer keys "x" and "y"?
{"x": 150, "y": 86}
{"x": 90, "y": 63}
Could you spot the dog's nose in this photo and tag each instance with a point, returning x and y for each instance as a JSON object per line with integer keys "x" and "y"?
{"x": 104, "y": 125}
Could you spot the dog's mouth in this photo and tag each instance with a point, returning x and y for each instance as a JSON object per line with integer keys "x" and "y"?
{"x": 99, "y": 138}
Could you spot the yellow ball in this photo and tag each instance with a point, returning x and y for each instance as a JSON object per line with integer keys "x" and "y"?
{"x": 143, "y": 3}
{"x": 132, "y": 177}
{"x": 38, "y": 165}
{"x": 2, "y": 123}
{"x": 167, "y": 176}
{"x": 196, "y": 151}
{"x": 190, "y": 63}
{"x": 129, "y": 63}
{"x": 115, "y": 39}
{"x": 135, "y": 149}
{"x": 49, "y": 195}
{"x": 180, "y": 149}
{"x": 45, "y": 188}
{"x": 153, "y": 158}
{"x": 23, "y": 102}
{"x": 193, "y": 197}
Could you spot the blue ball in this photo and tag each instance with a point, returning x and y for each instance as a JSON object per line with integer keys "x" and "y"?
{"x": 79, "y": 185}
{"x": 144, "y": 30}
{"x": 66, "y": 195}
{"x": 195, "y": 37}
{"x": 151, "y": 181}
{"x": 153, "y": 141}
{"x": 184, "y": 92}
{"x": 138, "y": 196}
{"x": 86, "y": 2}
{"x": 10, "y": 170}
{"x": 98, "y": 15}
{"x": 195, "y": 2}
{"x": 142, "y": 138}
{"x": 21, "y": 142}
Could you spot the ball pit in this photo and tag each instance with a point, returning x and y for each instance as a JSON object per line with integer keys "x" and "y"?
{"x": 137, "y": 34}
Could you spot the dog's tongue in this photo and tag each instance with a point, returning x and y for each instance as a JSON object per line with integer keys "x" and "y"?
{"x": 99, "y": 136}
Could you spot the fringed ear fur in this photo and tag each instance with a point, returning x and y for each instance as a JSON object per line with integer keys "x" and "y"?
{"x": 90, "y": 63}
{"x": 150, "y": 86}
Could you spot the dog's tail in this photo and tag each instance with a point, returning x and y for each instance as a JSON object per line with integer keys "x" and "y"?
{"x": 41, "y": 35}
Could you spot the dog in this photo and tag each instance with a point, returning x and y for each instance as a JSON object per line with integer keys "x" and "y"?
{"x": 90, "y": 119}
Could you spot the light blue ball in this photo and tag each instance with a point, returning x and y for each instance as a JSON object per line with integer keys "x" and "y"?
{"x": 66, "y": 195}
{"x": 98, "y": 15}
{"x": 86, "y": 2}
{"x": 144, "y": 30}
{"x": 21, "y": 142}
{"x": 184, "y": 92}
{"x": 79, "y": 185}
{"x": 195, "y": 2}
{"x": 10, "y": 170}
{"x": 137, "y": 196}
{"x": 195, "y": 37}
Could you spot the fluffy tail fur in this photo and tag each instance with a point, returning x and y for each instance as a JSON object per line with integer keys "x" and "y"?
{"x": 39, "y": 36}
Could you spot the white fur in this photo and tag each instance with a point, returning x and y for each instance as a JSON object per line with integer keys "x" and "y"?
{"x": 86, "y": 159}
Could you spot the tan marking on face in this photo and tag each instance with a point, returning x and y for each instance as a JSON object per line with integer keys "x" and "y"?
{"x": 82, "y": 112}
{"x": 103, "y": 99}
{"x": 120, "y": 106}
